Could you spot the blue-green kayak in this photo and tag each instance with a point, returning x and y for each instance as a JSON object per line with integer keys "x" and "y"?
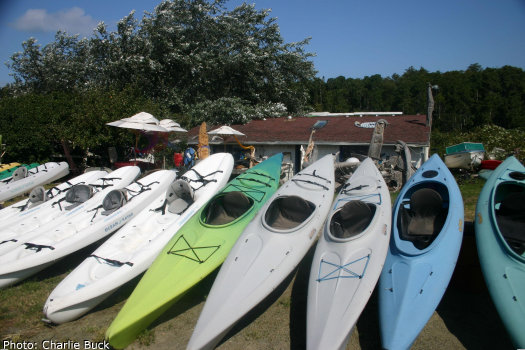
{"x": 500, "y": 237}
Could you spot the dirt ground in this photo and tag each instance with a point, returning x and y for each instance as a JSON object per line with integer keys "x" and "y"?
{"x": 465, "y": 318}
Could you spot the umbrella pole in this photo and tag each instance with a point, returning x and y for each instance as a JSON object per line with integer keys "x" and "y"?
{"x": 136, "y": 145}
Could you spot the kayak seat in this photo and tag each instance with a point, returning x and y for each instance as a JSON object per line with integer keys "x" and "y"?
{"x": 423, "y": 221}
{"x": 19, "y": 173}
{"x": 114, "y": 200}
{"x": 288, "y": 212}
{"x": 179, "y": 196}
{"x": 352, "y": 219}
{"x": 38, "y": 195}
{"x": 511, "y": 220}
{"x": 77, "y": 195}
{"x": 228, "y": 207}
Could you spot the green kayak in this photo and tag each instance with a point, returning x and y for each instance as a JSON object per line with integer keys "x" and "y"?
{"x": 196, "y": 250}
{"x": 4, "y": 174}
{"x": 500, "y": 237}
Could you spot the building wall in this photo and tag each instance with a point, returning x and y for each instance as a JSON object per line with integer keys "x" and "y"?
{"x": 292, "y": 156}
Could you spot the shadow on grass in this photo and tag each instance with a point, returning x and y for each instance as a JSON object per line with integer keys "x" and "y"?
{"x": 299, "y": 302}
{"x": 466, "y": 308}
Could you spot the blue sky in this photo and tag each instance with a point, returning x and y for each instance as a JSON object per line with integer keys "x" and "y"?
{"x": 352, "y": 38}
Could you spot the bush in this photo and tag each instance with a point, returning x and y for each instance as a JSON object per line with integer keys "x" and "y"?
{"x": 491, "y": 136}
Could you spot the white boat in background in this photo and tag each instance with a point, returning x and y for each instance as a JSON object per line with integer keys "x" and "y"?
{"x": 466, "y": 155}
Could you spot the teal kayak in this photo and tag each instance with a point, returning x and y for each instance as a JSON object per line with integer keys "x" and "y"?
{"x": 500, "y": 238}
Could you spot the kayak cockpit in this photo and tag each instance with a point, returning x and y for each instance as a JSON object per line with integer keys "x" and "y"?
{"x": 510, "y": 215}
{"x": 288, "y": 212}
{"x": 422, "y": 217}
{"x": 226, "y": 208}
{"x": 351, "y": 219}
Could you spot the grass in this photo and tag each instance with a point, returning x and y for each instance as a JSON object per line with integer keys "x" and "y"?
{"x": 470, "y": 190}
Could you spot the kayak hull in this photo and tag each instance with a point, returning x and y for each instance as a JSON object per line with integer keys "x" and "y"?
{"x": 267, "y": 252}
{"x": 20, "y": 210}
{"x": 196, "y": 250}
{"x": 50, "y": 214}
{"x": 418, "y": 267}
{"x": 132, "y": 250}
{"x": 502, "y": 262}
{"x": 35, "y": 251}
{"x": 346, "y": 265}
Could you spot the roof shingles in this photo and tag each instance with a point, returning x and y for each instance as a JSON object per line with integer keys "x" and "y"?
{"x": 341, "y": 130}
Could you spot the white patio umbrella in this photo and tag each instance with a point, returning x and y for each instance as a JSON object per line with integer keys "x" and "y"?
{"x": 171, "y": 126}
{"x": 140, "y": 122}
{"x": 229, "y": 131}
{"x": 226, "y": 131}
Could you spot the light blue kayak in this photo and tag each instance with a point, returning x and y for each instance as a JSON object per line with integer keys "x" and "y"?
{"x": 427, "y": 230}
{"x": 500, "y": 237}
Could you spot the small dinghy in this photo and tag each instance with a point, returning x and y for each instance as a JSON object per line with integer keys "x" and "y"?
{"x": 130, "y": 251}
{"x": 268, "y": 251}
{"x": 427, "y": 230}
{"x": 348, "y": 258}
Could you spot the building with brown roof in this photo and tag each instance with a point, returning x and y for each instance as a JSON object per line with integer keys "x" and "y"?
{"x": 349, "y": 134}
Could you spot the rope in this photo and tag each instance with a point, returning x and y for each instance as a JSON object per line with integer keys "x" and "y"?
{"x": 162, "y": 207}
{"x": 9, "y": 240}
{"x": 351, "y": 274}
{"x": 311, "y": 182}
{"x": 255, "y": 180}
{"x": 96, "y": 211}
{"x": 37, "y": 247}
{"x": 201, "y": 178}
{"x": 104, "y": 179}
{"x": 143, "y": 188}
{"x": 192, "y": 249}
{"x": 315, "y": 175}
{"x": 111, "y": 261}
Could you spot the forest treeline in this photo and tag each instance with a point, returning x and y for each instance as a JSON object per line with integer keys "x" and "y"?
{"x": 463, "y": 99}
{"x": 194, "y": 61}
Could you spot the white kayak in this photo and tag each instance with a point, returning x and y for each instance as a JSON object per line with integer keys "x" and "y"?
{"x": 23, "y": 180}
{"x": 103, "y": 216}
{"x": 54, "y": 212}
{"x": 132, "y": 250}
{"x": 38, "y": 195}
{"x": 348, "y": 258}
{"x": 267, "y": 252}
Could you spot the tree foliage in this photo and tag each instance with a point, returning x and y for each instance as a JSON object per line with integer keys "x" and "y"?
{"x": 184, "y": 54}
{"x": 464, "y": 100}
